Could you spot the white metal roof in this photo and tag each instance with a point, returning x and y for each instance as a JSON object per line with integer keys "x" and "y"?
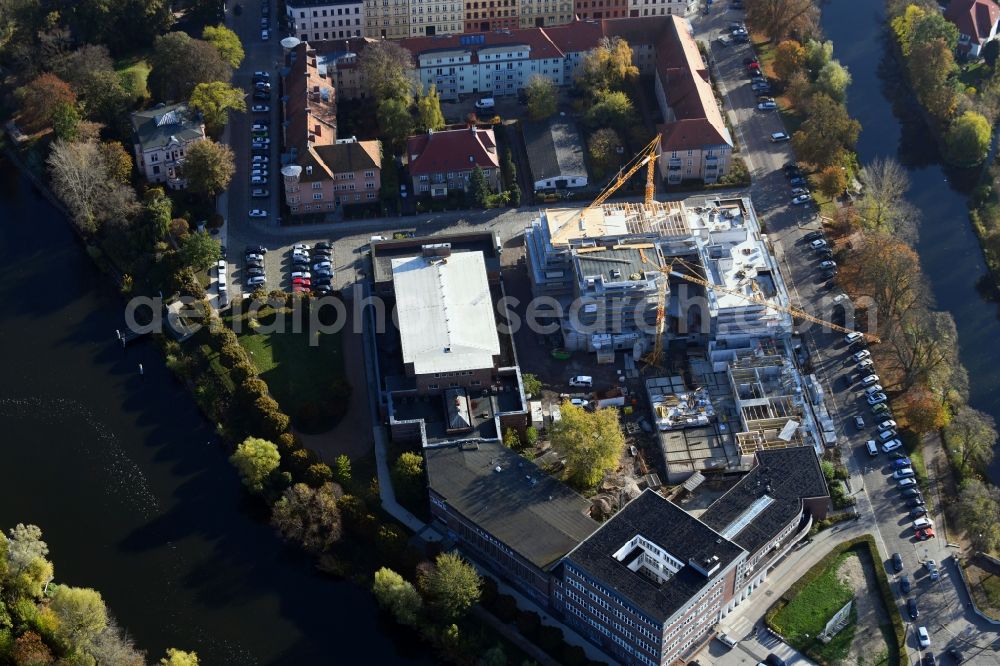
{"x": 445, "y": 313}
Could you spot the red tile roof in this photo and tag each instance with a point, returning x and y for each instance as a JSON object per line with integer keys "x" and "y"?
{"x": 974, "y": 18}
{"x": 451, "y": 151}
{"x": 311, "y": 119}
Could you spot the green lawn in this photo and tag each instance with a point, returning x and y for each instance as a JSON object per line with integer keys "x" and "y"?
{"x": 805, "y": 616}
{"x": 303, "y": 378}
{"x": 138, "y": 65}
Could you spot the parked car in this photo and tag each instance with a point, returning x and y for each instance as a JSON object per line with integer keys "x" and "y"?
{"x": 897, "y": 562}
{"x": 881, "y": 410}
{"x": 827, "y": 264}
{"x": 906, "y": 483}
{"x": 922, "y": 523}
{"x": 904, "y": 584}
{"x": 319, "y": 252}
{"x": 801, "y": 199}
{"x": 872, "y": 390}
{"x": 925, "y": 534}
{"x": 797, "y": 181}
{"x": 888, "y": 423}
{"x": 817, "y": 244}
{"x": 767, "y": 106}
{"x": 861, "y": 355}
{"x": 812, "y": 235}
{"x": 932, "y": 568}
{"x": 903, "y": 462}
{"x": 261, "y": 75}
{"x": 256, "y": 280}
{"x": 302, "y": 281}
{"x": 261, "y": 94}
{"x": 322, "y": 245}
{"x": 891, "y": 446}
{"x": 321, "y": 265}
{"x": 257, "y": 212}
{"x": 910, "y": 492}
{"x": 826, "y": 253}
{"x": 583, "y": 381}
{"x": 264, "y": 35}
{"x": 923, "y": 638}
{"x": 800, "y": 190}
{"x": 255, "y": 249}
{"x": 323, "y": 289}
{"x": 911, "y": 608}
{"x": 859, "y": 423}
{"x": 886, "y": 435}
{"x": 876, "y": 398}
{"x": 260, "y": 108}
{"x": 259, "y": 193}
{"x": 918, "y": 511}
{"x": 323, "y": 274}
{"x": 870, "y": 380}
{"x": 914, "y": 502}
{"x": 301, "y": 274}
{"x": 253, "y": 271}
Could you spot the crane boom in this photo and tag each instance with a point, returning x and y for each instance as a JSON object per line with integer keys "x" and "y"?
{"x": 646, "y": 156}
{"x": 756, "y": 297}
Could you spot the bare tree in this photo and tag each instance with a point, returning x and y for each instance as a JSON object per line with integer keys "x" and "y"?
{"x": 80, "y": 179}
{"x": 924, "y": 344}
{"x": 386, "y": 67}
{"x": 883, "y": 206}
{"x": 114, "y": 646}
{"x": 779, "y": 19}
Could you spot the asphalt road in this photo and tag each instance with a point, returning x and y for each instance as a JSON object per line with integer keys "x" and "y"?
{"x": 942, "y": 604}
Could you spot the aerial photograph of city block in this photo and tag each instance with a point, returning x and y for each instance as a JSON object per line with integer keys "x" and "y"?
{"x": 499, "y": 332}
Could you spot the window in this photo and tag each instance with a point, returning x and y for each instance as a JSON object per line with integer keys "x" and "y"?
{"x": 156, "y": 170}
{"x": 317, "y": 186}
{"x": 371, "y": 195}
{"x": 318, "y": 196}
{"x": 369, "y": 174}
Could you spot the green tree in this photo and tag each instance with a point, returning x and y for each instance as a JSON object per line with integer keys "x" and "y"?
{"x": 542, "y": 97}
{"x": 603, "y": 150}
{"x": 429, "y": 116}
{"x": 479, "y": 189}
{"x": 177, "y": 657}
{"x": 968, "y": 140}
{"x": 904, "y": 26}
{"x": 66, "y": 121}
{"x": 199, "y": 250}
{"x": 39, "y": 99}
{"x": 226, "y": 42}
{"x": 107, "y": 98}
{"x": 970, "y": 437}
{"x": 81, "y": 612}
{"x": 933, "y": 25}
{"x": 591, "y": 441}
{"x": 789, "y": 59}
{"x": 179, "y": 63}
{"x": 930, "y": 65}
{"x": 817, "y": 54}
{"x": 495, "y": 656}
{"x": 532, "y": 385}
{"x": 611, "y": 109}
{"x": 208, "y": 167}
{"x": 255, "y": 459}
{"x": 511, "y": 439}
{"x": 398, "y": 596}
{"x": 507, "y": 168}
{"x": 832, "y": 181}
{"x": 833, "y": 79}
{"x": 342, "y": 469}
{"x": 452, "y": 586}
{"x": 386, "y": 69}
{"x": 979, "y": 508}
{"x": 394, "y": 119}
{"x": 215, "y": 100}
{"x": 606, "y": 67}
{"x": 309, "y": 516}
{"x": 408, "y": 473}
{"x": 827, "y": 133}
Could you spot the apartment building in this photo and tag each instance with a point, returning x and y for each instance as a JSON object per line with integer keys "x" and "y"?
{"x": 601, "y": 9}
{"x": 324, "y": 178}
{"x": 436, "y": 17}
{"x": 488, "y": 64}
{"x": 316, "y": 20}
{"x": 544, "y": 13}
{"x": 160, "y": 137}
{"x": 443, "y": 161}
{"x": 639, "y": 8}
{"x": 487, "y": 15}
{"x": 387, "y": 19}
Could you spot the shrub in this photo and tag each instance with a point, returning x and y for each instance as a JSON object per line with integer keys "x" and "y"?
{"x": 573, "y": 655}
{"x": 550, "y": 638}
{"x": 489, "y": 594}
{"x": 528, "y": 623}
{"x": 317, "y": 474}
{"x": 506, "y": 608}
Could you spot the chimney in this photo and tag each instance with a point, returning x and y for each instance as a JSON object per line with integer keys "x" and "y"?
{"x": 319, "y": 130}
{"x": 309, "y": 171}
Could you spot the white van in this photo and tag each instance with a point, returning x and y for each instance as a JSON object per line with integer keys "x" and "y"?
{"x": 872, "y": 447}
{"x": 486, "y": 104}
{"x": 585, "y": 381}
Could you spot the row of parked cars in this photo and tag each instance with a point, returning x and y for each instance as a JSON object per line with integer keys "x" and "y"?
{"x": 253, "y": 266}
{"x": 312, "y": 268}
{"x": 820, "y": 248}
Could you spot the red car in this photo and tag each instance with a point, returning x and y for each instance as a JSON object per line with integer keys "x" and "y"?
{"x": 753, "y": 65}
{"x": 299, "y": 289}
{"x": 926, "y": 533}
{"x": 305, "y": 282}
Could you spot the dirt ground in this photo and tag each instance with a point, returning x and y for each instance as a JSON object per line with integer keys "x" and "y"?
{"x": 868, "y": 644}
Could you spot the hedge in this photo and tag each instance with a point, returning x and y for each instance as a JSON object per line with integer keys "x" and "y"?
{"x": 867, "y": 540}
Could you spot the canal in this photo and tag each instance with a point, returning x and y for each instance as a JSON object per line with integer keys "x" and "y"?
{"x": 948, "y": 247}
{"x": 127, "y": 481}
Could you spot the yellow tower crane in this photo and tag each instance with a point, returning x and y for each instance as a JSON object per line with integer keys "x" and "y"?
{"x": 756, "y": 297}
{"x": 645, "y": 157}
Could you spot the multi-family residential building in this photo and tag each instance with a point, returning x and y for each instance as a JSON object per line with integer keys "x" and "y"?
{"x": 977, "y": 22}
{"x": 443, "y": 161}
{"x": 316, "y": 20}
{"x": 321, "y": 173}
{"x": 544, "y": 13}
{"x": 696, "y": 143}
{"x": 638, "y": 8}
{"x": 160, "y": 138}
{"x": 388, "y": 19}
{"x": 601, "y": 9}
{"x": 324, "y": 178}
{"x": 487, "y": 15}
{"x": 436, "y": 17}
{"x": 488, "y": 64}
{"x": 337, "y": 62}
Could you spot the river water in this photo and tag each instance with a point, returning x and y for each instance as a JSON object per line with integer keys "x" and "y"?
{"x": 948, "y": 247}
{"x": 127, "y": 482}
